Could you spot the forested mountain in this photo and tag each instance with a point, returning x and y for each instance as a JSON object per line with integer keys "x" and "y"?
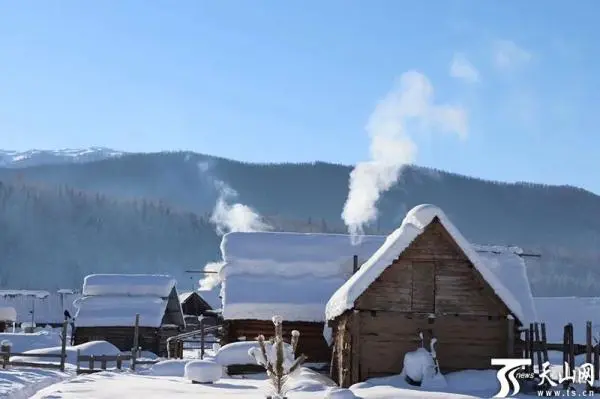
{"x": 562, "y": 223}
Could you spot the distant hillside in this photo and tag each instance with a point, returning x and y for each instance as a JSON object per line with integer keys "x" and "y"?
{"x": 563, "y": 223}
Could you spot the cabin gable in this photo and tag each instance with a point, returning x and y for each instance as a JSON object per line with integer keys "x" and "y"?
{"x": 432, "y": 276}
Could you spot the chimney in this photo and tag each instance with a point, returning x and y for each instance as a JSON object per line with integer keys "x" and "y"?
{"x": 355, "y": 264}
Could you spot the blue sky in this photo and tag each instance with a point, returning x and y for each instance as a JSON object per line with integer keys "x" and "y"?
{"x": 298, "y": 80}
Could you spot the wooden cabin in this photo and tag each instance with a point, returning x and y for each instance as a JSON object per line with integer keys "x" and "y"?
{"x": 291, "y": 275}
{"x": 8, "y": 316}
{"x": 193, "y": 306}
{"x": 107, "y": 311}
{"x": 427, "y": 279}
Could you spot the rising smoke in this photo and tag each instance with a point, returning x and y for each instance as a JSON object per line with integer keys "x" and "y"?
{"x": 228, "y": 216}
{"x": 391, "y": 146}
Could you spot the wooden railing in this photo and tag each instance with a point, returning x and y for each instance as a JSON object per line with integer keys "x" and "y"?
{"x": 6, "y": 354}
{"x": 92, "y": 360}
{"x": 175, "y": 344}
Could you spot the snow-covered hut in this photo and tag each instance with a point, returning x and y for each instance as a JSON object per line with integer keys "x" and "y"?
{"x": 110, "y": 302}
{"x": 427, "y": 278}
{"x": 8, "y": 317}
{"x": 287, "y": 274}
{"x": 193, "y": 305}
{"x": 43, "y": 307}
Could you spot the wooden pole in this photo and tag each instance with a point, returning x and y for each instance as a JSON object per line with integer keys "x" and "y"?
{"x": 597, "y": 361}
{"x": 63, "y": 347}
{"x": 527, "y": 348}
{"x": 91, "y": 363}
{"x": 544, "y": 343}
{"x": 511, "y": 337}
{"x": 537, "y": 346}
{"x": 119, "y": 362}
{"x": 354, "y": 264}
{"x": 588, "y": 346}
{"x": 78, "y": 362}
{"x": 531, "y": 348}
{"x": 565, "y": 354}
{"x": 136, "y": 337}
{"x": 201, "y": 337}
{"x": 571, "y": 349}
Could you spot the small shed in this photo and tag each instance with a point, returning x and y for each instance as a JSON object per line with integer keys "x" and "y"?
{"x": 8, "y": 317}
{"x": 193, "y": 305}
{"x": 287, "y": 274}
{"x": 426, "y": 278}
{"x": 109, "y": 305}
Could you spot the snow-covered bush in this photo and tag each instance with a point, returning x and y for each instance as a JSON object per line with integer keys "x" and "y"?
{"x": 421, "y": 367}
{"x": 203, "y": 371}
{"x": 278, "y": 359}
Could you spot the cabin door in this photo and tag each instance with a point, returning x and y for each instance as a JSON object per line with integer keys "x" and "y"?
{"x": 423, "y": 287}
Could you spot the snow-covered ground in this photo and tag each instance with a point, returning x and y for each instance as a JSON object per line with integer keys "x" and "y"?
{"x": 108, "y": 385}
{"x": 22, "y": 382}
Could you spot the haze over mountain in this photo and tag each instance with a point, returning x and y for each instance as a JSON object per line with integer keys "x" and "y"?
{"x": 561, "y": 223}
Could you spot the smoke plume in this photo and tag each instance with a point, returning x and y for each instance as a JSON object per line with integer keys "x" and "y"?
{"x": 228, "y": 216}
{"x": 391, "y": 146}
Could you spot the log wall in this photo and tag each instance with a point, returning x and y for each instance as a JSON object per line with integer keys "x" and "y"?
{"x": 150, "y": 339}
{"x": 312, "y": 343}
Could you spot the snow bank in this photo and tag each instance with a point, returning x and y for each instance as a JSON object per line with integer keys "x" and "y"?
{"x": 169, "y": 368}
{"x": 8, "y": 313}
{"x": 238, "y": 353}
{"x": 100, "y": 311}
{"x": 23, "y": 342}
{"x": 559, "y": 311}
{"x": 93, "y": 348}
{"x": 291, "y": 274}
{"x": 128, "y": 284}
{"x": 339, "y": 393}
{"x": 414, "y": 224}
{"x": 203, "y": 371}
{"x": 22, "y": 383}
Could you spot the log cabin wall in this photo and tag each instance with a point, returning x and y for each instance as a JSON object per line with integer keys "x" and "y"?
{"x": 311, "y": 343}
{"x": 121, "y": 337}
{"x": 432, "y": 288}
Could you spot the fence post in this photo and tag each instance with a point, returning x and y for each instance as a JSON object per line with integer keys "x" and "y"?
{"x": 201, "y": 337}
{"x": 565, "y": 354}
{"x": 136, "y": 337}
{"x": 103, "y": 362}
{"x": 5, "y": 351}
{"x": 544, "y": 342}
{"x": 588, "y": 346}
{"x": 119, "y": 362}
{"x": 63, "y": 347}
{"x": 91, "y": 363}
{"x": 78, "y": 361}
{"x": 538, "y": 347}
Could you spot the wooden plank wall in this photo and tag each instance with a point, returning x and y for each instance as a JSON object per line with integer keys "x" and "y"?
{"x": 432, "y": 288}
{"x": 121, "y": 337}
{"x": 311, "y": 343}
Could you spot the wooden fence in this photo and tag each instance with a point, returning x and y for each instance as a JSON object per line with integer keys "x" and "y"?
{"x": 6, "y": 354}
{"x": 91, "y": 362}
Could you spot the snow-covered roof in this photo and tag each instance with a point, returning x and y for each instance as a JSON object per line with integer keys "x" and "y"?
{"x": 8, "y": 313}
{"x": 115, "y": 311}
{"x": 556, "y": 312}
{"x": 128, "y": 284}
{"x": 511, "y": 270}
{"x": 413, "y": 225}
{"x": 46, "y": 307}
{"x": 113, "y": 300}
{"x": 184, "y": 296}
{"x": 289, "y": 274}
